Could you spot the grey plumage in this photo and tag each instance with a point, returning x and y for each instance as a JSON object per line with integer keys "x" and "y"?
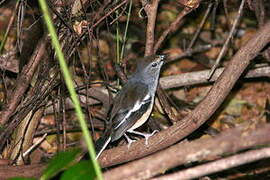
{"x": 133, "y": 104}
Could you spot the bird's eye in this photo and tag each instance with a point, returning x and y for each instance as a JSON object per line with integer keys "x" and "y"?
{"x": 154, "y": 64}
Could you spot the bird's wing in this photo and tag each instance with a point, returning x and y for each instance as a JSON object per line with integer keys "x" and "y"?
{"x": 129, "y": 105}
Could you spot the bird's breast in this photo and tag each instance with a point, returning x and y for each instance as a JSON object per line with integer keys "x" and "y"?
{"x": 143, "y": 118}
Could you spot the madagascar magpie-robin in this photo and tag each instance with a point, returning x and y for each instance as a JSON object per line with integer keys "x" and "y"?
{"x": 133, "y": 104}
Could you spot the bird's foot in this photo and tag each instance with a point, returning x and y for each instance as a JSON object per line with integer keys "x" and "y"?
{"x": 130, "y": 141}
{"x": 145, "y": 135}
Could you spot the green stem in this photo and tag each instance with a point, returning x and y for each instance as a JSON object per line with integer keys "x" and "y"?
{"x": 70, "y": 87}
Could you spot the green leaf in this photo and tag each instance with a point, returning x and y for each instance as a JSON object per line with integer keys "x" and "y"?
{"x": 81, "y": 170}
{"x": 59, "y": 162}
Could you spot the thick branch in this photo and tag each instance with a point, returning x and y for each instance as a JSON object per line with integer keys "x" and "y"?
{"x": 229, "y": 141}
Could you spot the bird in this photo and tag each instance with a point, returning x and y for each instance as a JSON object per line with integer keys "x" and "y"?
{"x": 133, "y": 104}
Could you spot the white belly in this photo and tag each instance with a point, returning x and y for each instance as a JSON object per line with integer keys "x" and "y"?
{"x": 143, "y": 119}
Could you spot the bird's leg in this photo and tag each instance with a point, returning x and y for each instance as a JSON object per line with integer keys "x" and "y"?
{"x": 145, "y": 135}
{"x": 130, "y": 141}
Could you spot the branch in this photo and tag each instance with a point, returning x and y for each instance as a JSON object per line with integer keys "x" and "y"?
{"x": 226, "y": 44}
{"x": 189, "y": 6}
{"x": 11, "y": 171}
{"x": 219, "y": 165}
{"x": 229, "y": 141}
{"x": 201, "y": 77}
{"x": 23, "y": 81}
{"x": 151, "y": 12}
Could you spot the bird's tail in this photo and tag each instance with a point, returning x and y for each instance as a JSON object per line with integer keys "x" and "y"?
{"x": 102, "y": 143}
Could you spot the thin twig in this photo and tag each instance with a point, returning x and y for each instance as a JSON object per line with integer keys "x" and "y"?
{"x": 225, "y": 46}
{"x": 11, "y": 21}
{"x": 109, "y": 13}
{"x": 34, "y": 145}
{"x": 190, "y": 52}
{"x": 173, "y": 26}
{"x": 200, "y": 26}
